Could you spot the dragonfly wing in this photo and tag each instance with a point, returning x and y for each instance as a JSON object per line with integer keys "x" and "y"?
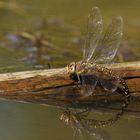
{"x": 108, "y": 79}
{"x": 94, "y": 30}
{"x": 78, "y": 134}
{"x": 108, "y": 47}
{"x": 89, "y": 83}
{"x": 110, "y": 85}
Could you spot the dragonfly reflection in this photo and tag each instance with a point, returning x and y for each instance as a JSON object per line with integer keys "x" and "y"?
{"x": 100, "y": 50}
{"x": 83, "y": 126}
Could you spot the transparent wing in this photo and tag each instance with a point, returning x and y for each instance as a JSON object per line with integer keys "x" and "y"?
{"x": 94, "y": 30}
{"x": 108, "y": 79}
{"x": 110, "y": 85}
{"x": 108, "y": 47}
{"x": 78, "y": 134}
{"x": 89, "y": 83}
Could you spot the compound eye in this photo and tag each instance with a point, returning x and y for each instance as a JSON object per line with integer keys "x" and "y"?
{"x": 72, "y": 67}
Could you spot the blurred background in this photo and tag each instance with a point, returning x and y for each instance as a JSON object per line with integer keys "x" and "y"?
{"x": 49, "y": 34}
{"x": 45, "y": 33}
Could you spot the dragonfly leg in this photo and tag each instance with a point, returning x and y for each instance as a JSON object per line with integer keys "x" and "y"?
{"x": 79, "y": 79}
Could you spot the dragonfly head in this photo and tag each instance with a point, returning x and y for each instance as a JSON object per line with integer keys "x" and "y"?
{"x": 71, "y": 68}
{"x": 65, "y": 117}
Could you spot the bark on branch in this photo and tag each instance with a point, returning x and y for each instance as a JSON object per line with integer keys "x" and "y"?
{"x": 43, "y": 86}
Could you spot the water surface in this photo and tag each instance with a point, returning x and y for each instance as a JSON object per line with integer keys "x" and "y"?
{"x": 37, "y": 122}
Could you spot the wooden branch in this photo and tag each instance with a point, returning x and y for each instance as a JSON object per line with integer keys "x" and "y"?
{"x": 53, "y": 86}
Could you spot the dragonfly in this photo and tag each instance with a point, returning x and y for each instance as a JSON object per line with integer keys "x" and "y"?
{"x": 97, "y": 51}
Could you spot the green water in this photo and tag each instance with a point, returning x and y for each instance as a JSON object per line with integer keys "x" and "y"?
{"x": 36, "y": 122}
